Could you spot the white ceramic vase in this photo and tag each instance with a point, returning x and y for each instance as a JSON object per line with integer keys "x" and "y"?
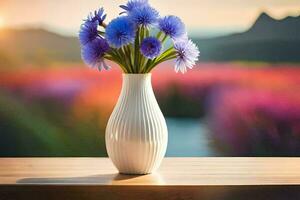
{"x": 136, "y": 134}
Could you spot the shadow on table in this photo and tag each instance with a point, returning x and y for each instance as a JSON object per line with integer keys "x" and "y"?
{"x": 107, "y": 179}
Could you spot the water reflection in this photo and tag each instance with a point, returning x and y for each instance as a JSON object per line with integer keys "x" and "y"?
{"x": 189, "y": 137}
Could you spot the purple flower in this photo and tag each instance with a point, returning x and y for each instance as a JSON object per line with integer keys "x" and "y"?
{"x": 144, "y": 16}
{"x": 98, "y": 16}
{"x": 93, "y": 53}
{"x": 172, "y": 26}
{"x": 133, "y": 4}
{"x": 88, "y": 32}
{"x": 151, "y": 47}
{"x": 187, "y": 55}
{"x": 120, "y": 32}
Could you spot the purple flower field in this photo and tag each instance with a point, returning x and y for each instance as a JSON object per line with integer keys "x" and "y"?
{"x": 250, "y": 110}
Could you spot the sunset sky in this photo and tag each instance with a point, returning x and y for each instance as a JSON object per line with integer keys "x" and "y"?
{"x": 204, "y": 17}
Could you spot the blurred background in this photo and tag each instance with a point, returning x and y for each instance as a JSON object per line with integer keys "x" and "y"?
{"x": 242, "y": 98}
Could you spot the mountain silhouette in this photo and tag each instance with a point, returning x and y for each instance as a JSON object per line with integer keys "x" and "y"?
{"x": 268, "y": 40}
{"x": 36, "y": 46}
{"x": 266, "y": 27}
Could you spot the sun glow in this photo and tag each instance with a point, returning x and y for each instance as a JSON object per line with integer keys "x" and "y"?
{"x": 1, "y": 22}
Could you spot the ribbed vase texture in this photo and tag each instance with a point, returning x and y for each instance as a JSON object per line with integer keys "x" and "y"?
{"x": 136, "y": 133}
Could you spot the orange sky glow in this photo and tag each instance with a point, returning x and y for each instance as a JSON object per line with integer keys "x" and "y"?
{"x": 215, "y": 15}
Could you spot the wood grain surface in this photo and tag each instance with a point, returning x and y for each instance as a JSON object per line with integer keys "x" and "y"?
{"x": 177, "y": 178}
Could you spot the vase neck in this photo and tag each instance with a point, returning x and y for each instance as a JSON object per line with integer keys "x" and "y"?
{"x": 136, "y": 82}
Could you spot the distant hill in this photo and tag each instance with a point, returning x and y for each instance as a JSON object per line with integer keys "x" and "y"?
{"x": 36, "y": 46}
{"x": 267, "y": 40}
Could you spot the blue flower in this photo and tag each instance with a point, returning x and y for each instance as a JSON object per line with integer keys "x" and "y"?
{"x": 93, "y": 53}
{"x": 187, "y": 55}
{"x": 120, "y": 32}
{"x": 88, "y": 32}
{"x": 98, "y": 16}
{"x": 132, "y": 4}
{"x": 172, "y": 26}
{"x": 144, "y": 15}
{"x": 150, "y": 47}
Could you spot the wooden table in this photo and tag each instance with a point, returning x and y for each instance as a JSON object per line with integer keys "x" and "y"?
{"x": 178, "y": 178}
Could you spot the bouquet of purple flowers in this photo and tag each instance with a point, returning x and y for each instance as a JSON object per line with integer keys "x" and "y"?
{"x": 137, "y": 40}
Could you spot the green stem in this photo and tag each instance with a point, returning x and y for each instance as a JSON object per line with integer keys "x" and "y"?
{"x": 136, "y": 49}
{"x": 147, "y": 32}
{"x": 159, "y": 34}
{"x": 129, "y": 53}
{"x": 126, "y": 60}
{"x": 164, "y": 38}
{"x": 167, "y": 55}
{"x": 142, "y": 57}
{"x": 128, "y": 56}
{"x": 113, "y": 58}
